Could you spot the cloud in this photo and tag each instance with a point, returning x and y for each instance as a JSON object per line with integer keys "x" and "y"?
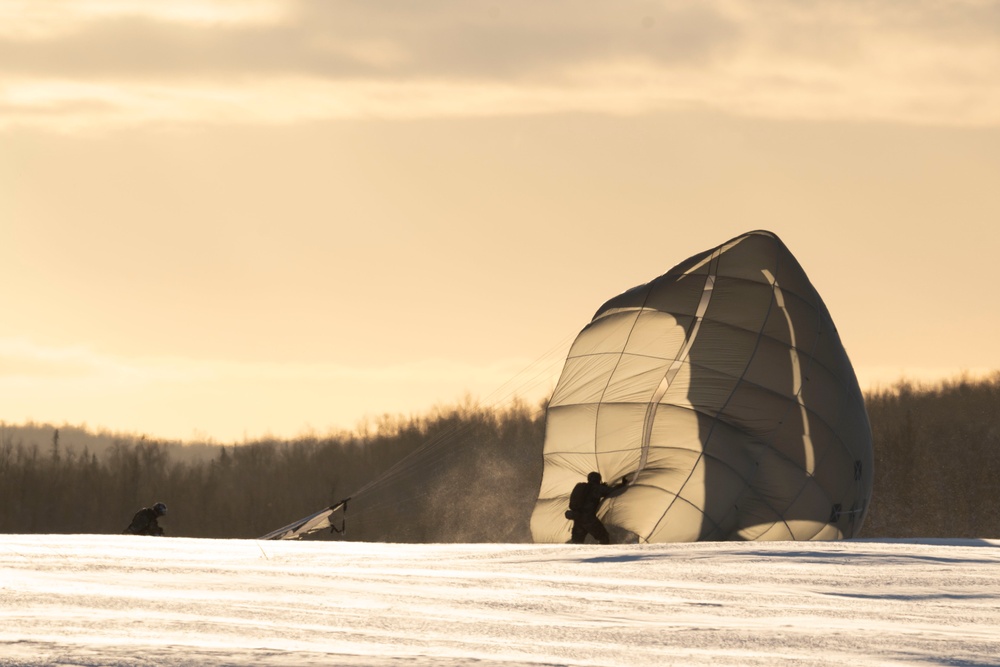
{"x": 449, "y": 40}
{"x": 31, "y": 20}
{"x": 116, "y": 63}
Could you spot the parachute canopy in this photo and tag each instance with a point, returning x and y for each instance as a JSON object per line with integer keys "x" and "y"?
{"x": 313, "y": 523}
{"x": 722, "y": 391}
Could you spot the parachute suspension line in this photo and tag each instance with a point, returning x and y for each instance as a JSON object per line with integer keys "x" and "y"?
{"x": 430, "y": 452}
{"x": 435, "y": 449}
{"x": 554, "y": 356}
{"x": 343, "y": 519}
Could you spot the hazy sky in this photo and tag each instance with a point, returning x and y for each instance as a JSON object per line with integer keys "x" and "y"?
{"x": 230, "y": 218}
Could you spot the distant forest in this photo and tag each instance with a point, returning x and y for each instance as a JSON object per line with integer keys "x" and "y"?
{"x": 459, "y": 474}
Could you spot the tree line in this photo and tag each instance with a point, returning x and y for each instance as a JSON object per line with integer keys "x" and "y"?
{"x": 473, "y": 475}
{"x": 937, "y": 460}
{"x": 474, "y": 480}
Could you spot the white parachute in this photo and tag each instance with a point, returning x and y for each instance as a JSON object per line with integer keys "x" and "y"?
{"x": 722, "y": 391}
{"x": 313, "y": 523}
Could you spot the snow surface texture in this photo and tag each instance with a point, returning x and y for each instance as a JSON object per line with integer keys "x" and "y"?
{"x": 124, "y": 601}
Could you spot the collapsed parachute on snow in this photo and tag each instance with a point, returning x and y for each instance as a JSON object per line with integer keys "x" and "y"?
{"x": 313, "y": 523}
{"x": 722, "y": 390}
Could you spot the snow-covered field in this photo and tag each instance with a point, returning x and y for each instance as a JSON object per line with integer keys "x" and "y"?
{"x": 123, "y": 601}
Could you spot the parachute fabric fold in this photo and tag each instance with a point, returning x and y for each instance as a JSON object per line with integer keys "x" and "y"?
{"x": 723, "y": 391}
{"x": 313, "y": 523}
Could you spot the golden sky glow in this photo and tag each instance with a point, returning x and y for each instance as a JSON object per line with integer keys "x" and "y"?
{"x": 85, "y": 65}
{"x": 230, "y": 218}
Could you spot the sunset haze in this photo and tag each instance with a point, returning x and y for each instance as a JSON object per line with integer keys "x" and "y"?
{"x": 222, "y": 220}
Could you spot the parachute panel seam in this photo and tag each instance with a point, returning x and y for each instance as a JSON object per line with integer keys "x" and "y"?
{"x": 732, "y": 392}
